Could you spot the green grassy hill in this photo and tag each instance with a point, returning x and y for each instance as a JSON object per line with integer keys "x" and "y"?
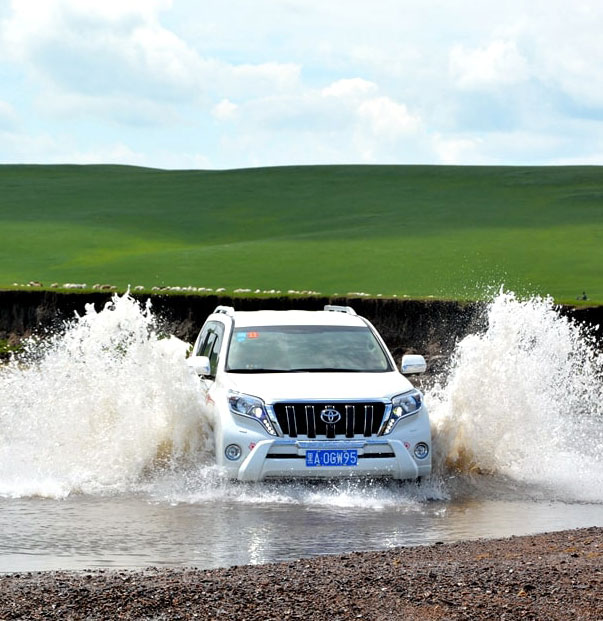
{"x": 406, "y": 230}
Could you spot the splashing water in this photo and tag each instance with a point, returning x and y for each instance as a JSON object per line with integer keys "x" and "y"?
{"x": 94, "y": 408}
{"x": 109, "y": 407}
{"x": 524, "y": 400}
{"x": 207, "y": 485}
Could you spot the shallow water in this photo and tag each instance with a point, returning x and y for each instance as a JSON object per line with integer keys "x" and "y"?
{"x": 104, "y": 453}
{"x": 262, "y": 524}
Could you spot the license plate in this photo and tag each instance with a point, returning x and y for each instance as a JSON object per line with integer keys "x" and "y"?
{"x": 332, "y": 457}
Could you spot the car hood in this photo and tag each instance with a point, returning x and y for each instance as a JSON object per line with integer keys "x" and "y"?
{"x": 272, "y": 387}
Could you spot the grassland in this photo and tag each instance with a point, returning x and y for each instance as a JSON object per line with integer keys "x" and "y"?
{"x": 449, "y": 232}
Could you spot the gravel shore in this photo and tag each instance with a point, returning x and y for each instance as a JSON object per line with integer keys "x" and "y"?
{"x": 548, "y": 576}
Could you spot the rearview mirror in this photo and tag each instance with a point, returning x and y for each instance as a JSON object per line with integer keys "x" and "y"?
{"x": 413, "y": 363}
{"x": 199, "y": 364}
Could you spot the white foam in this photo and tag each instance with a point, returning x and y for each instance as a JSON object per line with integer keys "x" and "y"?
{"x": 96, "y": 407}
{"x": 207, "y": 485}
{"x": 523, "y": 400}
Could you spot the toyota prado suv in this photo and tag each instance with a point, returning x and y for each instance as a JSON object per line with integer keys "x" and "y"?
{"x": 309, "y": 394}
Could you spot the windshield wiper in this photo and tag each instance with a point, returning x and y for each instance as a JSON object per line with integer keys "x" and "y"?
{"x": 259, "y": 370}
{"x": 326, "y": 370}
{"x": 300, "y": 370}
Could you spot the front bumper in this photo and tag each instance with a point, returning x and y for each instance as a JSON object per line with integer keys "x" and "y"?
{"x": 286, "y": 458}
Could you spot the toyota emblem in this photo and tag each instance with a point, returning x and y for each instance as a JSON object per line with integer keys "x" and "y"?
{"x": 330, "y": 416}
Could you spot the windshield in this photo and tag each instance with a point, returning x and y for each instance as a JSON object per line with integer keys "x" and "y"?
{"x": 281, "y": 349}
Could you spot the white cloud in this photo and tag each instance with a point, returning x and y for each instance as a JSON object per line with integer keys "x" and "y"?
{"x": 257, "y": 80}
{"x": 100, "y": 48}
{"x": 120, "y": 153}
{"x": 8, "y": 115}
{"x": 301, "y": 81}
{"x": 519, "y": 147}
{"x": 43, "y": 148}
{"x": 387, "y": 119}
{"x": 20, "y": 147}
{"x": 76, "y": 50}
{"x": 224, "y": 110}
{"x": 114, "y": 110}
{"x": 347, "y": 105}
{"x": 496, "y": 65}
{"x": 348, "y": 120}
{"x": 589, "y": 159}
{"x": 454, "y": 151}
{"x": 569, "y": 55}
{"x": 350, "y": 88}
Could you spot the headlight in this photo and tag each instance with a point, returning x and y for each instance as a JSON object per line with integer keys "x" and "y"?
{"x": 403, "y": 405}
{"x": 251, "y": 407}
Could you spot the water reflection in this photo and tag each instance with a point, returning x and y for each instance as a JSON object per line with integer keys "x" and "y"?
{"x": 139, "y": 531}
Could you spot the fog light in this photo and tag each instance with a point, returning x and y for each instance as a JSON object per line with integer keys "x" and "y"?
{"x": 233, "y": 452}
{"x": 421, "y": 450}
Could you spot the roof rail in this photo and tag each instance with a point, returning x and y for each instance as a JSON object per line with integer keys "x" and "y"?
{"x": 226, "y": 310}
{"x": 340, "y": 309}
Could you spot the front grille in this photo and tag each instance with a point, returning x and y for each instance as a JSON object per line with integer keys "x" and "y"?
{"x": 356, "y": 419}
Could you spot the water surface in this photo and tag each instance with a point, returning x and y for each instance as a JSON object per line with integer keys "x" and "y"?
{"x": 105, "y": 452}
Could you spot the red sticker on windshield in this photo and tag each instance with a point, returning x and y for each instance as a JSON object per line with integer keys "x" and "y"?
{"x": 253, "y": 335}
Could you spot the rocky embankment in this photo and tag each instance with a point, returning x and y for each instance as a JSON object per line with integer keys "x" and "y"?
{"x": 550, "y": 576}
{"x": 431, "y": 327}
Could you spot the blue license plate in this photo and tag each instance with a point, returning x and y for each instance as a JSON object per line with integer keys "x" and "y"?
{"x": 332, "y": 457}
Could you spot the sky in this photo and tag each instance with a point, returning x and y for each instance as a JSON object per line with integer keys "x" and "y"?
{"x": 217, "y": 84}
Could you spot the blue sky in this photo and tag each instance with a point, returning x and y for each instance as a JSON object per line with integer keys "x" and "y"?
{"x": 235, "y": 83}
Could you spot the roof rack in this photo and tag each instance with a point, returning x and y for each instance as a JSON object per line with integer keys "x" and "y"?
{"x": 226, "y": 310}
{"x": 340, "y": 309}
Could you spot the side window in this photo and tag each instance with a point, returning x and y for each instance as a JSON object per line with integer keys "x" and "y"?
{"x": 200, "y": 340}
{"x": 210, "y": 344}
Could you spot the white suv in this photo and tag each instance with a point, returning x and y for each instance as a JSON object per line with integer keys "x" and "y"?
{"x": 309, "y": 394}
